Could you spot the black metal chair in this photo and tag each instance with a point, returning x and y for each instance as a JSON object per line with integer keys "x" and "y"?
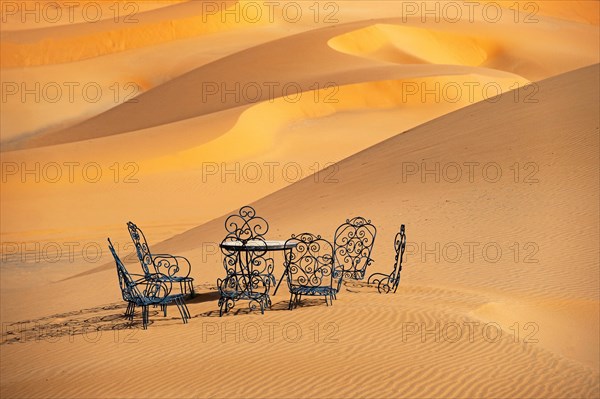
{"x": 171, "y": 267}
{"x": 146, "y": 291}
{"x": 389, "y": 282}
{"x": 310, "y": 268}
{"x": 352, "y": 246}
{"x": 249, "y": 270}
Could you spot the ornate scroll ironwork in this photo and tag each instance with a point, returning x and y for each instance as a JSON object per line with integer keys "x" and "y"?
{"x": 245, "y": 225}
{"x": 389, "y": 282}
{"x": 171, "y": 267}
{"x": 146, "y": 291}
{"x": 310, "y": 268}
{"x": 353, "y": 243}
{"x": 249, "y": 271}
{"x": 239, "y": 286}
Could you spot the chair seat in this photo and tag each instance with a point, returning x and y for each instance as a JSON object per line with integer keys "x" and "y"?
{"x": 356, "y": 275}
{"x": 233, "y": 294}
{"x": 171, "y": 298}
{"x": 307, "y": 290}
{"x": 174, "y": 278}
{"x": 142, "y": 301}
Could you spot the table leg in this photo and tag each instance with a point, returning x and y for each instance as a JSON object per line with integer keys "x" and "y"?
{"x": 285, "y": 272}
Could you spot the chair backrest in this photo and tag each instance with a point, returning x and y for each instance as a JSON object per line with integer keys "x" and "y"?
{"x": 245, "y": 225}
{"x": 352, "y": 246}
{"x": 129, "y": 289}
{"x": 399, "y": 246}
{"x": 309, "y": 262}
{"x": 141, "y": 248}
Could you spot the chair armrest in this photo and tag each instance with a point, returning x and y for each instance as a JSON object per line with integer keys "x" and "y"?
{"x": 156, "y": 288}
{"x": 138, "y": 278}
{"x": 172, "y": 265}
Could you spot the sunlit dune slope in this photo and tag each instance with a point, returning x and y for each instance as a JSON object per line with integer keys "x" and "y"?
{"x": 504, "y": 46}
{"x": 410, "y": 45}
{"x": 40, "y": 14}
{"x": 128, "y": 30}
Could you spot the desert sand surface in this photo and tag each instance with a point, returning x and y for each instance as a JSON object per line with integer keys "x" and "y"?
{"x": 480, "y": 137}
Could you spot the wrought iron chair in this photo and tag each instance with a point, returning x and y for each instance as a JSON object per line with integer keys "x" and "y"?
{"x": 249, "y": 271}
{"x": 352, "y": 246}
{"x": 171, "y": 267}
{"x": 146, "y": 291}
{"x": 310, "y": 268}
{"x": 389, "y": 282}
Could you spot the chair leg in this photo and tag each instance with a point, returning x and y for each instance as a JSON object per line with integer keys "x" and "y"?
{"x": 185, "y": 308}
{"x": 130, "y": 312}
{"x": 192, "y": 292}
{"x": 181, "y": 311}
{"x": 223, "y": 305}
{"x": 186, "y": 311}
{"x": 164, "y": 309}
{"x": 285, "y": 272}
{"x": 144, "y": 316}
{"x": 291, "y": 299}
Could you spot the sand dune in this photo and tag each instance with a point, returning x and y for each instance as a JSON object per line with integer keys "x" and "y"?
{"x": 125, "y": 30}
{"x": 203, "y": 90}
{"x": 180, "y": 166}
{"x": 28, "y": 16}
{"x": 545, "y": 302}
{"x": 523, "y": 132}
{"x": 395, "y": 364}
{"x": 499, "y": 294}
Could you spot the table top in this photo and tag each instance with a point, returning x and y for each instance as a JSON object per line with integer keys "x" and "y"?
{"x": 253, "y": 245}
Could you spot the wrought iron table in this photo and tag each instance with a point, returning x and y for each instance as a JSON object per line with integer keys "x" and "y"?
{"x": 257, "y": 245}
{"x": 250, "y": 274}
